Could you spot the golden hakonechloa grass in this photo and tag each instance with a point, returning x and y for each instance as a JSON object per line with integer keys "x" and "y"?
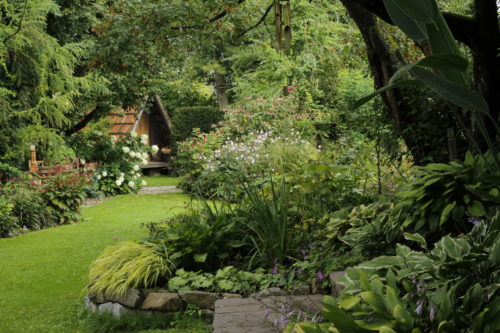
{"x": 127, "y": 265}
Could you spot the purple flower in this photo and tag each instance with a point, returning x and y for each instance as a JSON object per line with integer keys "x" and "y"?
{"x": 474, "y": 221}
{"x": 267, "y": 312}
{"x": 275, "y": 261}
{"x": 320, "y": 275}
{"x": 303, "y": 252}
{"x": 432, "y": 313}
{"x": 275, "y": 270}
{"x": 320, "y": 249}
{"x": 311, "y": 245}
{"x": 299, "y": 271}
{"x": 290, "y": 258}
{"x": 420, "y": 307}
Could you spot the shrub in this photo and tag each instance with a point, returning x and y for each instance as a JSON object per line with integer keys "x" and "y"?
{"x": 452, "y": 287}
{"x": 270, "y": 225}
{"x": 64, "y": 194}
{"x": 120, "y": 160}
{"x": 442, "y": 196}
{"x": 205, "y": 238}
{"x": 42, "y": 203}
{"x": 128, "y": 265}
{"x": 219, "y": 170}
{"x": 7, "y": 221}
{"x": 187, "y": 118}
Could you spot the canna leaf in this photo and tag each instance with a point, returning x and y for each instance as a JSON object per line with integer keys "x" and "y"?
{"x": 412, "y": 28}
{"x": 424, "y": 11}
{"x": 452, "y": 92}
{"x": 398, "y": 84}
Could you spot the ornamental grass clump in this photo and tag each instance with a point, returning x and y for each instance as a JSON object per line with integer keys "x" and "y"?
{"x": 269, "y": 226}
{"x": 128, "y": 265}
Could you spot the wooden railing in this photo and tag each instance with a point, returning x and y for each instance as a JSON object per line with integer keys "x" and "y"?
{"x": 71, "y": 166}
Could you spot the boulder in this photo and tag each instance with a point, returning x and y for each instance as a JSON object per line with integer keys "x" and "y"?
{"x": 166, "y": 302}
{"x": 89, "y": 304}
{"x": 316, "y": 286}
{"x": 97, "y": 298}
{"x": 301, "y": 290}
{"x": 207, "y": 314}
{"x": 115, "y": 309}
{"x": 336, "y": 287}
{"x": 132, "y": 298}
{"x": 269, "y": 292}
{"x": 201, "y": 299}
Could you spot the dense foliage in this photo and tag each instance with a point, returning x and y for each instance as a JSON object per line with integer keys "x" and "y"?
{"x": 312, "y": 170}
{"x": 34, "y": 204}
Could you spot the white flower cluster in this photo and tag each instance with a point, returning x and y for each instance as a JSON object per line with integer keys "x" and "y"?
{"x": 250, "y": 153}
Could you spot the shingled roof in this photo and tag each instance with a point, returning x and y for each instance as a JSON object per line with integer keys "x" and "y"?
{"x": 124, "y": 121}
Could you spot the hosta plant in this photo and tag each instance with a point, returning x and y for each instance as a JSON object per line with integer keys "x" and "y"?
{"x": 453, "y": 287}
{"x": 443, "y": 197}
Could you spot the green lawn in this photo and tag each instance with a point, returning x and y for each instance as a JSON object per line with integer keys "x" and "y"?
{"x": 161, "y": 180}
{"x": 42, "y": 273}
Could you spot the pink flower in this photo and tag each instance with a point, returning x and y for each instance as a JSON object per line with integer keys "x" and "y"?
{"x": 320, "y": 275}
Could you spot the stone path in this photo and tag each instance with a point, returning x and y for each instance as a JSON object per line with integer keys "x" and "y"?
{"x": 245, "y": 315}
{"x": 160, "y": 189}
{"x": 92, "y": 201}
{"x": 145, "y": 190}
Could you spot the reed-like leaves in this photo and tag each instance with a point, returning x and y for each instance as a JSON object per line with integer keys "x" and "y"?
{"x": 269, "y": 223}
{"x": 127, "y": 265}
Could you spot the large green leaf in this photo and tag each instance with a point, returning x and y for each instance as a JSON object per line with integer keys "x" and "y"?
{"x": 476, "y": 208}
{"x": 438, "y": 61}
{"x": 380, "y": 262}
{"x": 451, "y": 91}
{"x": 376, "y": 303}
{"x": 446, "y": 212}
{"x": 417, "y": 238}
{"x": 412, "y": 28}
{"x": 495, "y": 252}
{"x": 424, "y": 11}
{"x": 200, "y": 257}
{"x": 398, "y": 84}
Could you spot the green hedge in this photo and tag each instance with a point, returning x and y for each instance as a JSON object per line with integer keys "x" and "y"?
{"x": 186, "y": 118}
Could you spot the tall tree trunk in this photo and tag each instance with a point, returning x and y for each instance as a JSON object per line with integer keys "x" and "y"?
{"x": 481, "y": 34}
{"x": 221, "y": 89}
{"x": 220, "y": 79}
{"x": 384, "y": 64}
{"x": 486, "y": 61}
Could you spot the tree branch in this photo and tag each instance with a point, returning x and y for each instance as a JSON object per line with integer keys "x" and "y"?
{"x": 209, "y": 20}
{"x": 82, "y": 123}
{"x": 268, "y": 10}
{"x": 20, "y": 23}
{"x": 462, "y": 27}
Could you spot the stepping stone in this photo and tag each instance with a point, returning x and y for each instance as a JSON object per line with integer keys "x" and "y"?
{"x": 242, "y": 315}
{"x": 160, "y": 189}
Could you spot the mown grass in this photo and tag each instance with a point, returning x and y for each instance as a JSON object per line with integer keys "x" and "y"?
{"x": 43, "y": 273}
{"x": 161, "y": 180}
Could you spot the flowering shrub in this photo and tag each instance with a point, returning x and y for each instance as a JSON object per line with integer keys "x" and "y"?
{"x": 33, "y": 204}
{"x": 120, "y": 159}
{"x": 220, "y": 169}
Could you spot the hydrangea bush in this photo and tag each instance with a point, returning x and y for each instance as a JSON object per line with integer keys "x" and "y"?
{"x": 120, "y": 159}
{"x": 121, "y": 171}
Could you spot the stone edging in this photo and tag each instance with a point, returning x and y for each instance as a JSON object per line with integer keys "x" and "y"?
{"x": 148, "y": 301}
{"x": 152, "y": 300}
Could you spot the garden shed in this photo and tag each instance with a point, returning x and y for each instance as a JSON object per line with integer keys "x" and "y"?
{"x": 152, "y": 120}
